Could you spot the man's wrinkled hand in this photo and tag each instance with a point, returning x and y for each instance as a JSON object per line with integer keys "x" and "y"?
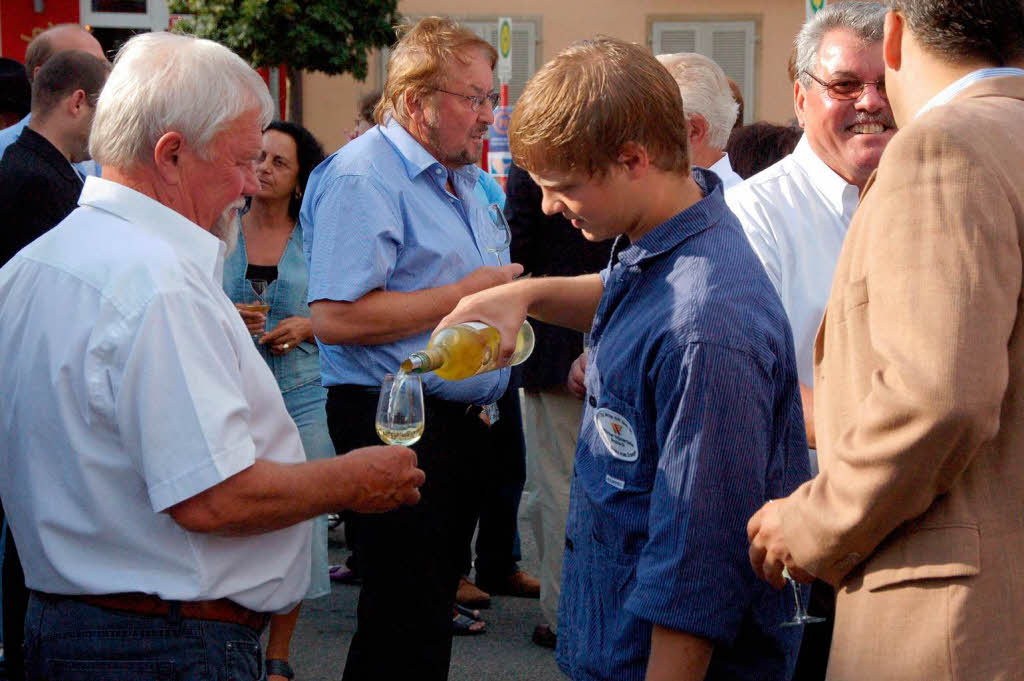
{"x": 577, "y": 377}
{"x": 384, "y": 478}
{"x": 769, "y": 553}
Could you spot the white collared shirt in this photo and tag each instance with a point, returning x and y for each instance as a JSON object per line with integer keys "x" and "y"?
{"x": 796, "y": 213}
{"x": 723, "y": 168}
{"x": 130, "y": 384}
{"x": 947, "y": 93}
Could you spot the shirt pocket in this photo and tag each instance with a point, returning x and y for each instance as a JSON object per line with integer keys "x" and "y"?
{"x": 624, "y": 444}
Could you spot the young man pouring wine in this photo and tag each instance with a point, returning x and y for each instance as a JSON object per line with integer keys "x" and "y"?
{"x": 692, "y": 414}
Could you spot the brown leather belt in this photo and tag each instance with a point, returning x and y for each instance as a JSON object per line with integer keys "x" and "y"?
{"x": 220, "y": 610}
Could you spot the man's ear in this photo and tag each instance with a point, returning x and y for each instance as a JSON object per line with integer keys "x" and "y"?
{"x": 415, "y": 106}
{"x": 167, "y": 157}
{"x": 799, "y": 100}
{"x": 892, "y": 41}
{"x": 698, "y": 130}
{"x": 76, "y": 102}
{"x": 634, "y": 159}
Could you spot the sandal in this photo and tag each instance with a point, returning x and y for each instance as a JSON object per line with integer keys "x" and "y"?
{"x": 278, "y": 668}
{"x": 342, "y": 575}
{"x": 468, "y": 612}
{"x": 467, "y": 626}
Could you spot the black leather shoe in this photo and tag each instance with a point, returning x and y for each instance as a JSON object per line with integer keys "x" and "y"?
{"x": 544, "y": 637}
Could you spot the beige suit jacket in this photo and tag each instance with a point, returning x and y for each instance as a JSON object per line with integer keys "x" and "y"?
{"x": 918, "y": 512}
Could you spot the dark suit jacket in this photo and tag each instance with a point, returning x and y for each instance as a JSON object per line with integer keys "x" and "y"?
{"x": 38, "y": 188}
{"x": 548, "y": 245}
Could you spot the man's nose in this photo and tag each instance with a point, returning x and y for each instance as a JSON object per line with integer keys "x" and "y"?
{"x": 251, "y": 180}
{"x": 486, "y": 113}
{"x": 871, "y": 99}
{"x": 549, "y": 204}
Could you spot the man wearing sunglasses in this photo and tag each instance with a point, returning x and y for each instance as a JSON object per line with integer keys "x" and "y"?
{"x": 797, "y": 211}
{"x": 394, "y": 237}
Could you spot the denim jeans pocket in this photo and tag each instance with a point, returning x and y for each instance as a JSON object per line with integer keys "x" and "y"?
{"x": 242, "y": 661}
{"x": 109, "y": 670}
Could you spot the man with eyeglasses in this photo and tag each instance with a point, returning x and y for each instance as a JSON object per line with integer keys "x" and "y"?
{"x": 796, "y": 212}
{"x": 394, "y": 237}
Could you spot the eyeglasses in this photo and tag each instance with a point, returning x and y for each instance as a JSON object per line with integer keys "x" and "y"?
{"x": 844, "y": 89}
{"x": 475, "y": 101}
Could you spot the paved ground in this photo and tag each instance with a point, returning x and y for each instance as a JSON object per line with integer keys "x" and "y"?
{"x": 504, "y": 652}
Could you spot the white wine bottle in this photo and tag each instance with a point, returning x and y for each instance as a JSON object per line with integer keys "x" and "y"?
{"x": 466, "y": 350}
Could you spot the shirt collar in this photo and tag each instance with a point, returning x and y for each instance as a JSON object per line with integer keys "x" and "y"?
{"x": 418, "y": 160}
{"x": 700, "y": 216}
{"x": 947, "y": 93}
{"x": 836, "y": 190}
{"x": 189, "y": 241}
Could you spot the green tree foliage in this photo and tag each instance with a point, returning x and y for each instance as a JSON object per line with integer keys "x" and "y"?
{"x": 332, "y": 36}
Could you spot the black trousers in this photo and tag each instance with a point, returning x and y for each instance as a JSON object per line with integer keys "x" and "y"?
{"x": 812, "y": 663}
{"x": 499, "y": 491}
{"x": 408, "y": 557}
{"x": 15, "y": 603}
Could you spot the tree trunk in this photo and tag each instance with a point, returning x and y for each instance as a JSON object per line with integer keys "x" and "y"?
{"x": 294, "y": 95}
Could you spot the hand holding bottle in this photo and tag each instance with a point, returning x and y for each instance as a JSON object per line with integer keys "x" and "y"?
{"x": 500, "y": 307}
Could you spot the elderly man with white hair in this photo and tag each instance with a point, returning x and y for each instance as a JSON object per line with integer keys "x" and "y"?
{"x": 151, "y": 474}
{"x": 710, "y": 109}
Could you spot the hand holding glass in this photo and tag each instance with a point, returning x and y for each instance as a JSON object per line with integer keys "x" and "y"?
{"x": 400, "y": 410}
{"x": 257, "y": 301}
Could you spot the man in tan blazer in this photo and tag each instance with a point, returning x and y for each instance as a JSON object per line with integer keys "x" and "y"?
{"x": 917, "y": 515}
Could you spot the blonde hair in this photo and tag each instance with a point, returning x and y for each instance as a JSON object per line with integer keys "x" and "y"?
{"x": 419, "y": 62}
{"x": 580, "y": 108}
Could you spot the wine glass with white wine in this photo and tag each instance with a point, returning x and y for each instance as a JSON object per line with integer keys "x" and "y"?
{"x": 499, "y": 235}
{"x": 257, "y": 301}
{"x": 400, "y": 409}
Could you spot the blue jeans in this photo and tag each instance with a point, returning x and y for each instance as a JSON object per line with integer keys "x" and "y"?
{"x": 67, "y": 640}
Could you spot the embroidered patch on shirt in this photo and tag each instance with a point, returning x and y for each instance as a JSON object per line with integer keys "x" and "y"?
{"x": 616, "y": 434}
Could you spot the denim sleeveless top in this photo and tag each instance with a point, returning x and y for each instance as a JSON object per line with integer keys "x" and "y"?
{"x": 286, "y": 296}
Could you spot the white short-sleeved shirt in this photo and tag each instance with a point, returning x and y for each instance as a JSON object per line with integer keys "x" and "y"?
{"x": 130, "y": 384}
{"x": 796, "y": 213}
{"x": 723, "y": 168}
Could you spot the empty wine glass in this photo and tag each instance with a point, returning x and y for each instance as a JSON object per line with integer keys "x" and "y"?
{"x": 400, "y": 409}
{"x": 800, "y": 617}
{"x": 257, "y": 301}
{"x": 500, "y": 236}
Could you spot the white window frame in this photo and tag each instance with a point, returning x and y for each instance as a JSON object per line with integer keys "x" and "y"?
{"x": 704, "y": 30}
{"x": 155, "y": 18}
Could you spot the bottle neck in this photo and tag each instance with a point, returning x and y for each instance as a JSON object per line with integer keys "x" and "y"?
{"x": 423, "y": 361}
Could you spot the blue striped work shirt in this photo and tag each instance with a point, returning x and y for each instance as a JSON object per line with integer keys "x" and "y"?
{"x": 693, "y": 420}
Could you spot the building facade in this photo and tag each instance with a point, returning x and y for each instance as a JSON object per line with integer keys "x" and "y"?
{"x": 750, "y": 39}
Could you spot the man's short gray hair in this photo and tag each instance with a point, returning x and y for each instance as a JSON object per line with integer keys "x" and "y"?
{"x": 705, "y": 91}
{"x": 162, "y": 82}
{"x": 865, "y": 19}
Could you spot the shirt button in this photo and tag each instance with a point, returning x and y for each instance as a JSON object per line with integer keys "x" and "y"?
{"x": 592, "y": 400}
{"x": 437, "y": 171}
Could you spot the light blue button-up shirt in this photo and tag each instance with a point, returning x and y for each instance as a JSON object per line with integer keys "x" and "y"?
{"x": 377, "y": 216}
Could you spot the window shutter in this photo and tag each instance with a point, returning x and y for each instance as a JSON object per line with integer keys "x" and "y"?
{"x": 729, "y": 43}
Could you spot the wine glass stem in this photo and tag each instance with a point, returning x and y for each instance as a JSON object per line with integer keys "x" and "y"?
{"x": 796, "y": 598}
